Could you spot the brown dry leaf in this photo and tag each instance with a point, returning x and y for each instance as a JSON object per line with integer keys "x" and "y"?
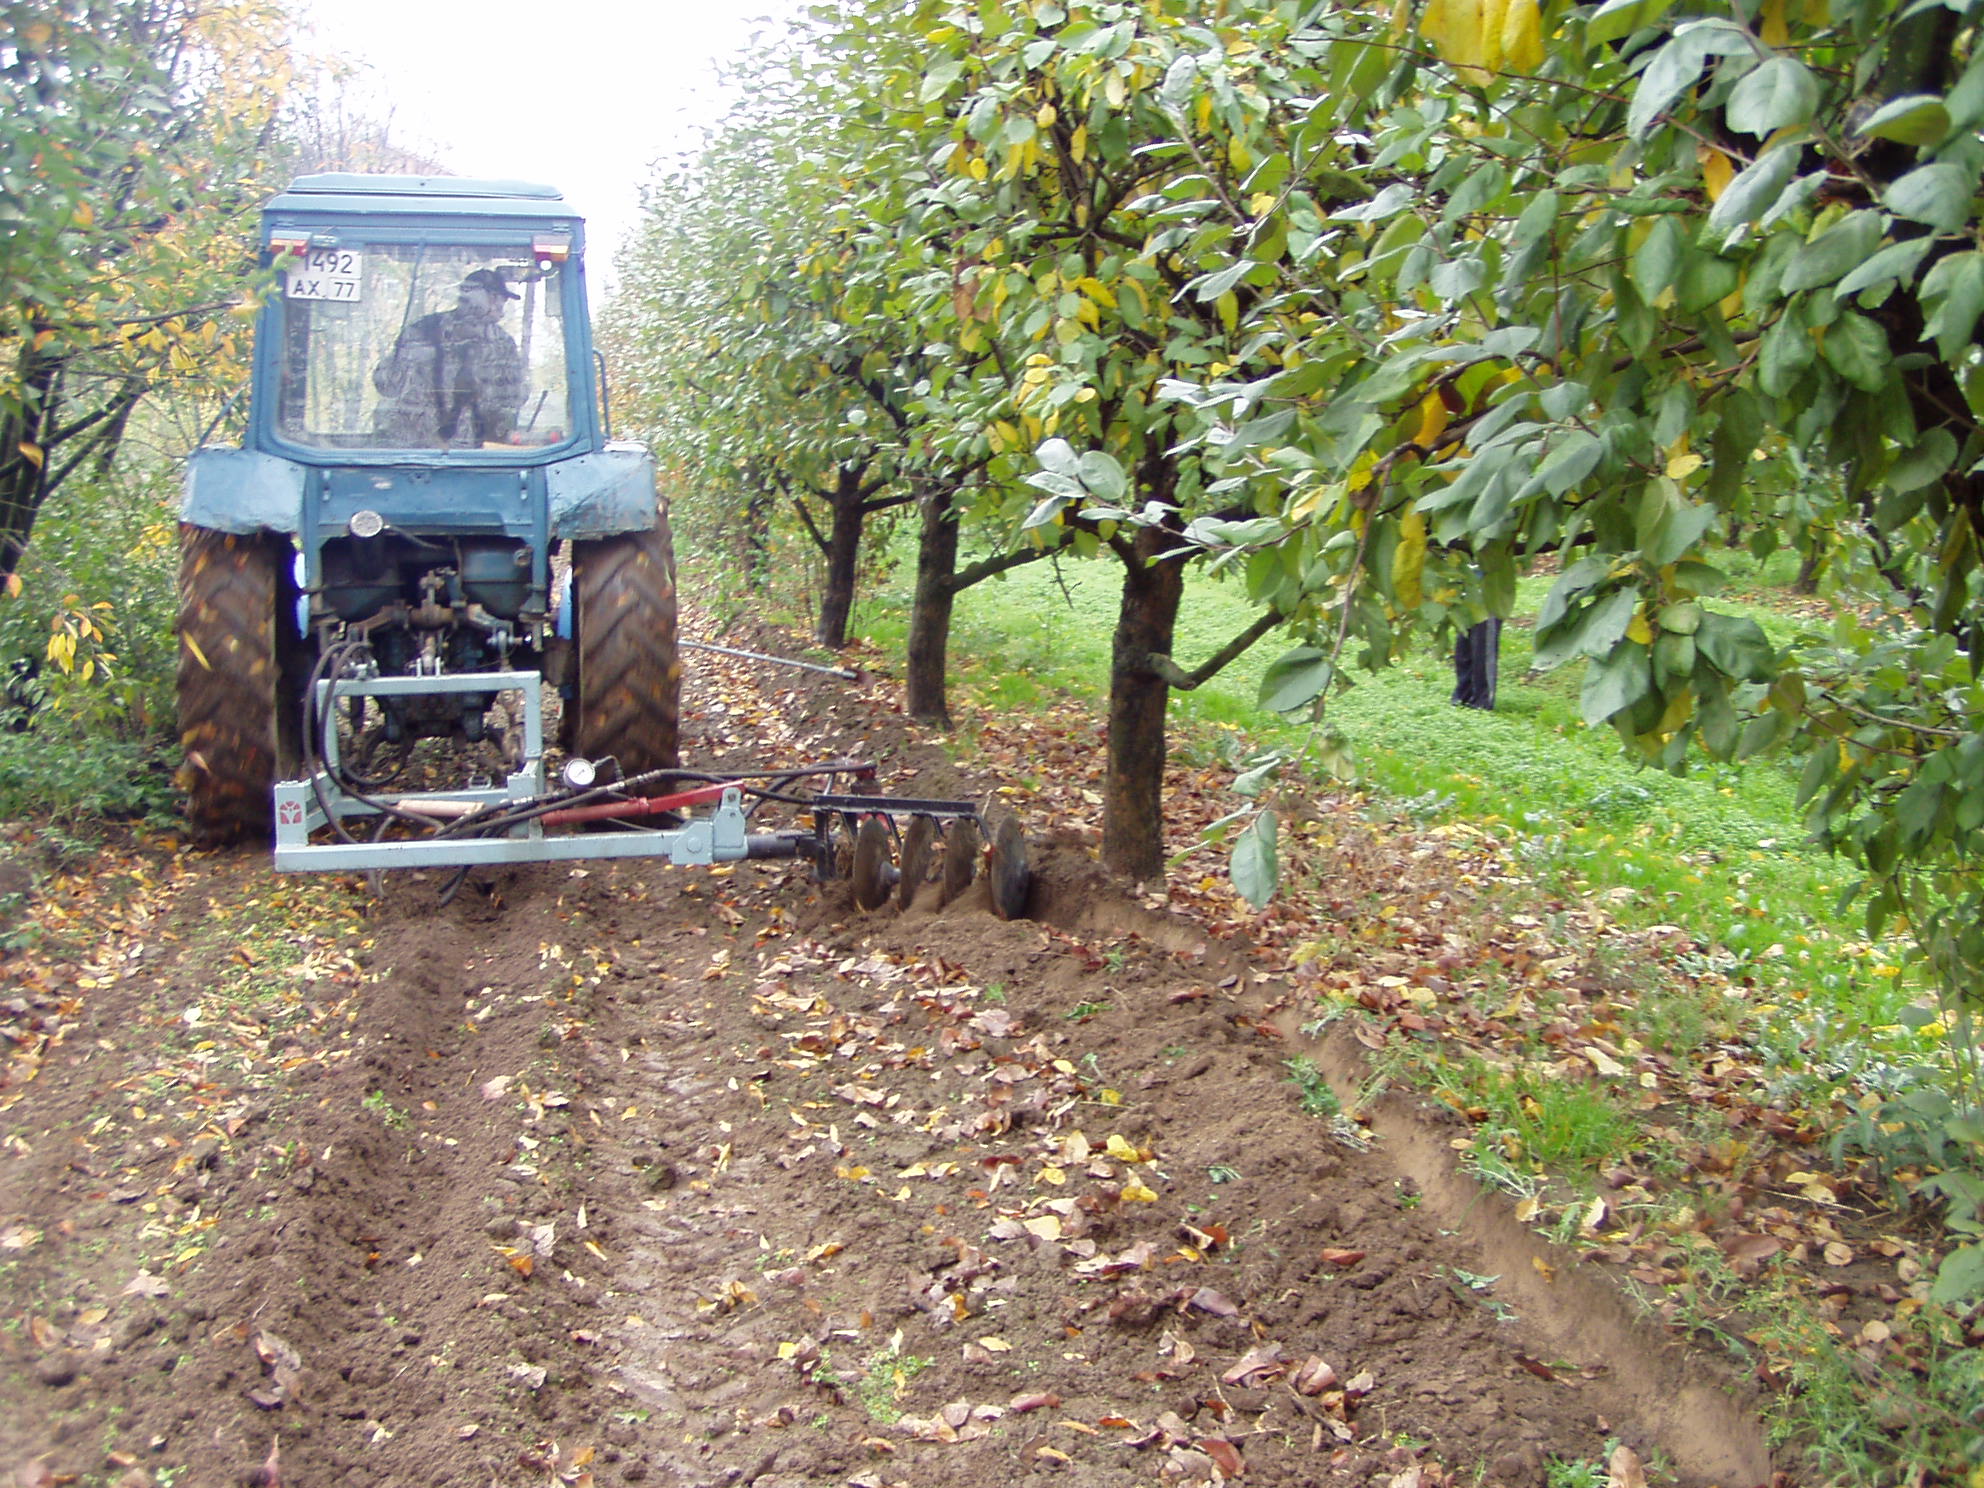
{"x": 1208, "y": 1300}
{"x": 1537, "y": 1367}
{"x": 1224, "y": 1453}
{"x": 1624, "y": 1470}
{"x": 1838, "y": 1253}
{"x": 1313, "y": 1377}
{"x": 1033, "y": 1401}
{"x": 1752, "y": 1248}
{"x": 1257, "y": 1366}
{"x": 1341, "y": 1260}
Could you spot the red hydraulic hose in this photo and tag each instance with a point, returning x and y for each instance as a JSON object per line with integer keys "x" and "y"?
{"x": 638, "y": 805}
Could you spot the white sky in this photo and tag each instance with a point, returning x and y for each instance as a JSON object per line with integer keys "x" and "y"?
{"x": 580, "y": 94}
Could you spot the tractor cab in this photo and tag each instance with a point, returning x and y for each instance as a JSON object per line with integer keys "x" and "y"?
{"x": 441, "y": 322}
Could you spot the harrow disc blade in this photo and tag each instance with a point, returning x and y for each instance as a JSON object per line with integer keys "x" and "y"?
{"x": 873, "y": 872}
{"x": 1012, "y": 878}
{"x": 960, "y": 857}
{"x": 917, "y": 841}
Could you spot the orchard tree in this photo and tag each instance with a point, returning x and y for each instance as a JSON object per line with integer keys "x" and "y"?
{"x": 1083, "y": 164}
{"x": 132, "y": 145}
{"x": 747, "y": 344}
{"x": 1605, "y": 256}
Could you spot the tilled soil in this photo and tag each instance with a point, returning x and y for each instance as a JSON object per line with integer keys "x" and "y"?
{"x": 627, "y": 1174}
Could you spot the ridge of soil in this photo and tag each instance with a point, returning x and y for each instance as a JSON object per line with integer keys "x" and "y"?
{"x": 625, "y": 1174}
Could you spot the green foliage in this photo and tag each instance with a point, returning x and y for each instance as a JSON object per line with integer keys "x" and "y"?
{"x": 1318, "y": 1099}
{"x": 131, "y": 139}
{"x": 94, "y": 611}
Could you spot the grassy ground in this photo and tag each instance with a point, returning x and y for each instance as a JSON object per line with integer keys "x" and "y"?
{"x": 1719, "y": 850}
{"x": 1780, "y": 980}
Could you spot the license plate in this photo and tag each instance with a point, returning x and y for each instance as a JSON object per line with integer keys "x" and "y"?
{"x": 325, "y": 274}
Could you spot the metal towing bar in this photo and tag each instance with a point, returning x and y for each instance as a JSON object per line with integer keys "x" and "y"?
{"x": 507, "y": 823}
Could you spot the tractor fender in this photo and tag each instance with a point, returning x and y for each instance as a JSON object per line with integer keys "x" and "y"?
{"x": 242, "y": 491}
{"x": 603, "y": 494}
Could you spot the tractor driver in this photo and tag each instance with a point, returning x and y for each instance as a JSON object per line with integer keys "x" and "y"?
{"x": 453, "y": 378}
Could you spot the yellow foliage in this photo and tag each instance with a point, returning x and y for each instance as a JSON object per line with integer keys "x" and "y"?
{"x": 1433, "y": 418}
{"x": 1772, "y": 30}
{"x": 1409, "y": 560}
{"x": 1717, "y": 172}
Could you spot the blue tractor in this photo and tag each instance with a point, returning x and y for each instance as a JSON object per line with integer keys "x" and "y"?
{"x": 428, "y": 533}
{"x": 426, "y": 437}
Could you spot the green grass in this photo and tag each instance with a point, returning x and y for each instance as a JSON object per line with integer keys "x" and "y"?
{"x": 1779, "y": 975}
{"x": 1719, "y": 851}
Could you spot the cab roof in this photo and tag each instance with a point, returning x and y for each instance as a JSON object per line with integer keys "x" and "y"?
{"x": 344, "y": 191}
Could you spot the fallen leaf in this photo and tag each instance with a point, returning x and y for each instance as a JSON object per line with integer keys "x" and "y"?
{"x": 1537, "y": 1367}
{"x": 1624, "y": 1470}
{"x": 1208, "y": 1300}
{"x": 144, "y": 1284}
{"x": 1341, "y": 1260}
{"x": 1257, "y": 1366}
{"x": 1313, "y": 1377}
{"x": 1224, "y": 1453}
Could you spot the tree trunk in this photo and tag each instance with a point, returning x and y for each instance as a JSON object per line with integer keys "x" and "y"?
{"x": 1133, "y": 796}
{"x": 757, "y": 539}
{"x": 930, "y": 610}
{"x": 24, "y": 478}
{"x": 843, "y": 555}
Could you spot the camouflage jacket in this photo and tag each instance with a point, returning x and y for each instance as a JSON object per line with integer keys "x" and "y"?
{"x": 451, "y": 381}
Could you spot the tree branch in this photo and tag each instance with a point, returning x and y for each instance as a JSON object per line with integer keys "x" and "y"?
{"x": 987, "y": 568}
{"x": 812, "y": 529}
{"x": 1169, "y": 671}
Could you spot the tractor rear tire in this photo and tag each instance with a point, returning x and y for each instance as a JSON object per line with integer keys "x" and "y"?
{"x": 242, "y": 669}
{"x": 628, "y": 702}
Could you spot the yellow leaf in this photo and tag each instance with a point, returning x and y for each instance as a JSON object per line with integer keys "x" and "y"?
{"x": 1360, "y": 471}
{"x": 1409, "y": 560}
{"x": 1522, "y": 35}
{"x": 1772, "y": 31}
{"x": 33, "y": 453}
{"x": 995, "y": 1345}
{"x": 1683, "y": 465}
{"x": 1640, "y": 631}
{"x": 1135, "y": 1192}
{"x": 1055, "y": 1176}
{"x": 1717, "y": 172}
{"x": 1433, "y": 417}
{"x": 1120, "y": 1148}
